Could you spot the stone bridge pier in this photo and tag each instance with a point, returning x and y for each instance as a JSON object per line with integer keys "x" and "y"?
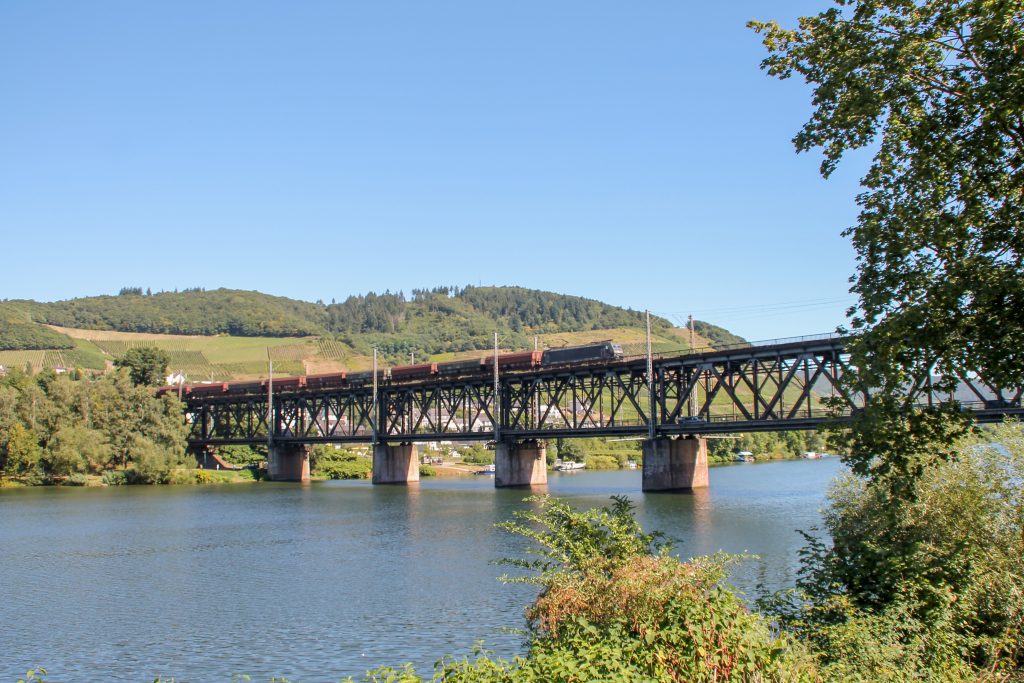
{"x": 520, "y": 463}
{"x": 395, "y": 463}
{"x": 288, "y": 462}
{"x": 675, "y": 464}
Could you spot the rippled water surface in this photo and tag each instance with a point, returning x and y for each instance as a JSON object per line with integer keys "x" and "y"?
{"x": 323, "y": 581}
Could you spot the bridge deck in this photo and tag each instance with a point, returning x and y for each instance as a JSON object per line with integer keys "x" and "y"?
{"x": 770, "y": 387}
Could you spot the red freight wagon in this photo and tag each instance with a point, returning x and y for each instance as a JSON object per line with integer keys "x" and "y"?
{"x": 204, "y": 389}
{"x": 414, "y": 371}
{"x": 326, "y": 381}
{"x": 287, "y": 383}
{"x": 253, "y": 387}
{"x": 516, "y": 361}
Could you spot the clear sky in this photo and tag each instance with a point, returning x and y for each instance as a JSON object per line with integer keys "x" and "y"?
{"x": 631, "y": 152}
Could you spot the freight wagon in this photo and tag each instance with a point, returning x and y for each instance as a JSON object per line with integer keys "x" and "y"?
{"x": 525, "y": 360}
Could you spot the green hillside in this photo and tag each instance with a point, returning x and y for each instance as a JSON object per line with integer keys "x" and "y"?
{"x": 221, "y": 311}
{"x": 19, "y": 333}
{"x": 222, "y": 334}
{"x": 470, "y": 311}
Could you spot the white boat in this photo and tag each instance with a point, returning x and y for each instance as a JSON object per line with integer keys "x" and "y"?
{"x": 568, "y": 466}
{"x": 489, "y": 469}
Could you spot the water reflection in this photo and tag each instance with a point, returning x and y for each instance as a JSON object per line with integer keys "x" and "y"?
{"x": 318, "y": 582}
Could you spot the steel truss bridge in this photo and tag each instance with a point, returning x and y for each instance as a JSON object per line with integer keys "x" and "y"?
{"x": 775, "y": 386}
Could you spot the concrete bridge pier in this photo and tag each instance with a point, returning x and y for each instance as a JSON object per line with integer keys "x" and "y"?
{"x": 395, "y": 464}
{"x": 288, "y": 462}
{"x": 521, "y": 463}
{"x": 675, "y": 464}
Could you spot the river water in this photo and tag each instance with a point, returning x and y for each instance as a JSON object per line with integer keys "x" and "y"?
{"x": 322, "y": 581}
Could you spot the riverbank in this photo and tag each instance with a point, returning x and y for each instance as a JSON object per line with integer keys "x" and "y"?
{"x": 178, "y": 476}
{"x": 198, "y": 476}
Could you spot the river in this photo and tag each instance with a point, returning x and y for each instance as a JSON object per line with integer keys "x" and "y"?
{"x": 322, "y": 581}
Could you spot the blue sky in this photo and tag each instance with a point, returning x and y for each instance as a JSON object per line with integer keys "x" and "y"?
{"x": 627, "y": 152}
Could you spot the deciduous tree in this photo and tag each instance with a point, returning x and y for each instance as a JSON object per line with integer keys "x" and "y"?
{"x": 936, "y": 89}
{"x": 146, "y": 365}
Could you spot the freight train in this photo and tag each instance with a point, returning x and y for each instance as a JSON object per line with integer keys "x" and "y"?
{"x": 526, "y": 360}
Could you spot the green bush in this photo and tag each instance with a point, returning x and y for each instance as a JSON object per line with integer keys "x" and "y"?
{"x": 615, "y": 607}
{"x": 153, "y": 464}
{"x": 598, "y": 454}
{"x": 76, "y": 479}
{"x": 477, "y": 454}
{"x": 115, "y": 478}
{"x": 427, "y": 471}
{"x": 242, "y": 455}
{"x": 923, "y": 585}
{"x": 357, "y": 469}
{"x": 602, "y": 462}
{"x": 332, "y": 463}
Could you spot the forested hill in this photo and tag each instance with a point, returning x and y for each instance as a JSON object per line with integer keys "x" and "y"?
{"x": 17, "y": 331}
{"x": 253, "y": 314}
{"x": 195, "y": 311}
{"x": 438, "y": 320}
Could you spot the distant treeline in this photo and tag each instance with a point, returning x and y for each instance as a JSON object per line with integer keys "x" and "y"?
{"x": 19, "y": 333}
{"x": 241, "y": 313}
{"x": 222, "y": 311}
{"x": 717, "y": 336}
{"x": 438, "y": 320}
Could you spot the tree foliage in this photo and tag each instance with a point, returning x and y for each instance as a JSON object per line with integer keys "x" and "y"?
{"x": 447, "y": 319}
{"x": 52, "y": 426}
{"x": 789, "y": 444}
{"x": 221, "y": 311}
{"x": 928, "y": 586}
{"x": 147, "y": 365}
{"x": 936, "y": 89}
{"x": 615, "y": 607}
{"x": 340, "y": 463}
{"x": 18, "y": 332}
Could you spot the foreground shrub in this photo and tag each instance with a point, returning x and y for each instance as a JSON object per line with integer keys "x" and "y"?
{"x": 659, "y": 619}
{"x": 922, "y": 586}
{"x": 115, "y": 478}
{"x": 615, "y": 607}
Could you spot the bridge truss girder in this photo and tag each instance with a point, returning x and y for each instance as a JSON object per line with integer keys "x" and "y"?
{"x": 768, "y": 388}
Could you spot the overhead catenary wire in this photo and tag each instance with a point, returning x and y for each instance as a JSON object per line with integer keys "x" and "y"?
{"x": 793, "y": 302}
{"x": 763, "y": 306}
{"x": 734, "y": 314}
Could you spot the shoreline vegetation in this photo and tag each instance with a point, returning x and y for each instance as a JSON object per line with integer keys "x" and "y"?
{"x": 245, "y": 475}
{"x": 186, "y": 476}
{"x": 248, "y": 465}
